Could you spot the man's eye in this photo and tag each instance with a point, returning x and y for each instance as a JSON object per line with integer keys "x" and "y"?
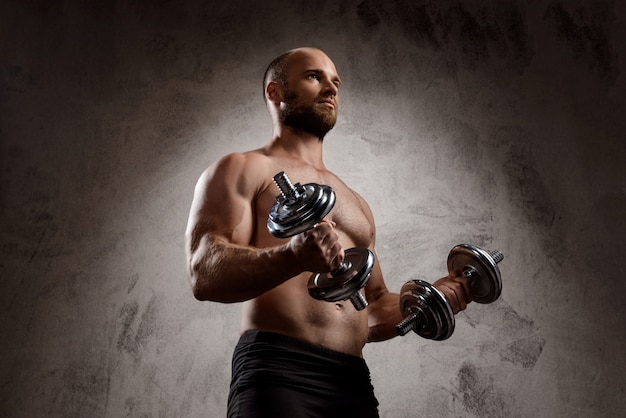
{"x": 314, "y": 76}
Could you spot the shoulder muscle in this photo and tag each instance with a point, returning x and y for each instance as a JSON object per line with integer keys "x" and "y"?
{"x": 223, "y": 198}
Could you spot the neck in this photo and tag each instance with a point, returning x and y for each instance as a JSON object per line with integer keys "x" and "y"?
{"x": 298, "y": 145}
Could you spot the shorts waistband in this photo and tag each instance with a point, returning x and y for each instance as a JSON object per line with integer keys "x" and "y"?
{"x": 273, "y": 338}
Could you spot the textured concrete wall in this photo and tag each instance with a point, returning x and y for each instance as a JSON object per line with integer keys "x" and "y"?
{"x": 495, "y": 123}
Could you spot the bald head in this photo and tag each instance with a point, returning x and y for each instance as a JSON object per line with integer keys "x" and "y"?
{"x": 277, "y": 70}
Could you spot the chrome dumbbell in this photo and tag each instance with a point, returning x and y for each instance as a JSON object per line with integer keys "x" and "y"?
{"x": 299, "y": 208}
{"x": 427, "y": 312}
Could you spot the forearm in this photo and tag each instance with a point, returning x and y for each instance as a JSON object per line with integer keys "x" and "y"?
{"x": 225, "y": 272}
{"x": 383, "y": 316}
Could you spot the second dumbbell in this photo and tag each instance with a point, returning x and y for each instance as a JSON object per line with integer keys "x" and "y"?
{"x": 426, "y": 310}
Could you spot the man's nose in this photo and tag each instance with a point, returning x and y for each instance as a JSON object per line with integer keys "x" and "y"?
{"x": 330, "y": 89}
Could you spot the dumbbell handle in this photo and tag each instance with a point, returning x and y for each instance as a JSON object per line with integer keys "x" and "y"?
{"x": 409, "y": 323}
{"x": 285, "y": 186}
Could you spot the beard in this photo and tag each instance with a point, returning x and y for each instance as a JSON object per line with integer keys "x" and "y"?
{"x": 307, "y": 117}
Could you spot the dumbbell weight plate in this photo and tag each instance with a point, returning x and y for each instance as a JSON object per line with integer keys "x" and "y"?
{"x": 435, "y": 318}
{"x": 335, "y": 287}
{"x": 485, "y": 282}
{"x": 289, "y": 217}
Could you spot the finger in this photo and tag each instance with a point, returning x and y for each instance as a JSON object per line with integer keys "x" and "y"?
{"x": 454, "y": 273}
{"x": 332, "y": 249}
{"x": 459, "y": 283}
{"x": 330, "y": 238}
{"x": 334, "y": 224}
{"x": 458, "y": 302}
{"x": 338, "y": 255}
{"x": 318, "y": 232}
{"x": 452, "y": 292}
{"x": 450, "y": 297}
{"x": 325, "y": 227}
{"x": 466, "y": 288}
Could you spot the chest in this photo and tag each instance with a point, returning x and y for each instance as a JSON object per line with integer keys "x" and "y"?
{"x": 349, "y": 212}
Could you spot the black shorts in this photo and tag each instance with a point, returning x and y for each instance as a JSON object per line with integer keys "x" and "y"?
{"x": 278, "y": 376}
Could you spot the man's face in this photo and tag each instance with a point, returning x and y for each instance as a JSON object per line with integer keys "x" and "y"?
{"x": 310, "y": 93}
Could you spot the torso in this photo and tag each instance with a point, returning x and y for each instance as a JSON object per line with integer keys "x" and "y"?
{"x": 289, "y": 309}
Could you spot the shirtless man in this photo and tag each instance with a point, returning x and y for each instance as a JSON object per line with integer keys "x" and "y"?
{"x": 297, "y": 356}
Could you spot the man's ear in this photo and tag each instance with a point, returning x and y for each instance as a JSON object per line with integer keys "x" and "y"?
{"x": 274, "y": 92}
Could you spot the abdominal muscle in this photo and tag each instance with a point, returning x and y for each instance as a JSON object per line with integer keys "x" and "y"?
{"x": 289, "y": 310}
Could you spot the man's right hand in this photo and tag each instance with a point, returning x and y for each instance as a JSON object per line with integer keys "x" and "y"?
{"x": 318, "y": 250}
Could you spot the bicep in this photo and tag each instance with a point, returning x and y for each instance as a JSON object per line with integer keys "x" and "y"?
{"x": 222, "y": 204}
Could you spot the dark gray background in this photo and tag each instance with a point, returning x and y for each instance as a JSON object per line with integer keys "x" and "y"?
{"x": 500, "y": 124}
